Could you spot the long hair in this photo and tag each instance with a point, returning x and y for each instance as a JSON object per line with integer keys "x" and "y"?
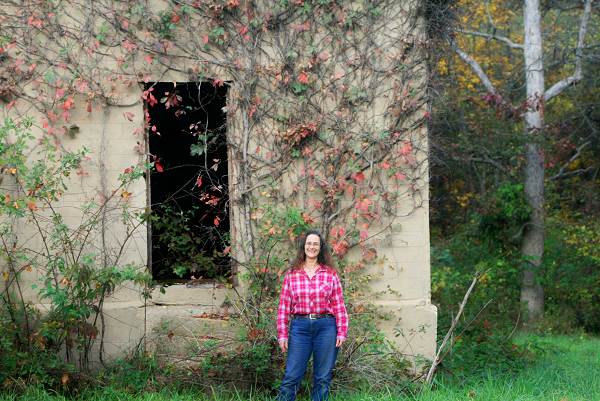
{"x": 324, "y": 257}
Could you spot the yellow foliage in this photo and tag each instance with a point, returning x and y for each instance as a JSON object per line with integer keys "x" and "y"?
{"x": 585, "y": 238}
{"x": 562, "y": 104}
{"x": 494, "y": 57}
{"x": 442, "y": 67}
{"x": 464, "y": 199}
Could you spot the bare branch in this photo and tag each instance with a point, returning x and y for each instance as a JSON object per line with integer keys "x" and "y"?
{"x": 489, "y": 86}
{"x": 485, "y": 80}
{"x": 437, "y": 358}
{"x": 499, "y": 38}
{"x": 561, "y": 173}
{"x": 487, "y": 160}
{"x": 563, "y": 84}
{"x": 568, "y": 174}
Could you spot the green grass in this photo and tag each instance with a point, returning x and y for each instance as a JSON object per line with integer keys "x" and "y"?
{"x": 568, "y": 371}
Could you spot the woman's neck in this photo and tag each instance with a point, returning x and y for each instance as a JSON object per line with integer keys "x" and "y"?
{"x": 311, "y": 264}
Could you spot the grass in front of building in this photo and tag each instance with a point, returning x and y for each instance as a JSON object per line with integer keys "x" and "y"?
{"x": 568, "y": 371}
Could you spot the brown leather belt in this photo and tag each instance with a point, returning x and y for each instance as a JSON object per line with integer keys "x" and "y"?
{"x": 312, "y": 316}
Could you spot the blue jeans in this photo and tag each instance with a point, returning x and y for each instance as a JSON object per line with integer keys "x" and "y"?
{"x": 306, "y": 337}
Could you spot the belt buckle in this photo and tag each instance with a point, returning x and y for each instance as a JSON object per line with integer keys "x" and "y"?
{"x": 312, "y": 316}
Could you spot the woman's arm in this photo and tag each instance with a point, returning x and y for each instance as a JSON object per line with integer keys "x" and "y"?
{"x": 339, "y": 310}
{"x": 284, "y": 310}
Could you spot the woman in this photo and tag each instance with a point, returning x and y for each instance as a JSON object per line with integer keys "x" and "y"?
{"x": 311, "y": 301}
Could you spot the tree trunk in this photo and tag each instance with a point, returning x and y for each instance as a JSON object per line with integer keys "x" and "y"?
{"x": 532, "y": 249}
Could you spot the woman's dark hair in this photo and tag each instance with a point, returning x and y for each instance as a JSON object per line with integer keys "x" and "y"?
{"x": 324, "y": 256}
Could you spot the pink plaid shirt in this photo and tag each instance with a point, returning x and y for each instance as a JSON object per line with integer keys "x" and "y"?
{"x": 321, "y": 294}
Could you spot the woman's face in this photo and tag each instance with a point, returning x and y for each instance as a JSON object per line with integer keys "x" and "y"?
{"x": 312, "y": 246}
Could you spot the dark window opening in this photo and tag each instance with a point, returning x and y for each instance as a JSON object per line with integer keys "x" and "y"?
{"x": 189, "y": 201}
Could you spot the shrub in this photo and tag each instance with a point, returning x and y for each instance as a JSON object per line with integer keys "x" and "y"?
{"x": 486, "y": 243}
{"x": 74, "y": 273}
{"x": 572, "y": 274}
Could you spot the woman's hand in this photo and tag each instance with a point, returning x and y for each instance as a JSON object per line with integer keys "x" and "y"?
{"x": 283, "y": 345}
{"x": 339, "y": 342}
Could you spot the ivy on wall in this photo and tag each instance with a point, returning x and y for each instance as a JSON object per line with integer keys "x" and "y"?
{"x": 326, "y": 109}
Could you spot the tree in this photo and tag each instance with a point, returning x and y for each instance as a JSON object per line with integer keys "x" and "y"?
{"x": 532, "y": 245}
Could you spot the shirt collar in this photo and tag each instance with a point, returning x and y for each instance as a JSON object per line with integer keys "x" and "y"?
{"x": 321, "y": 268}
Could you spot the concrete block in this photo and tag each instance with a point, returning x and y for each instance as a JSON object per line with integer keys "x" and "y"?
{"x": 412, "y": 327}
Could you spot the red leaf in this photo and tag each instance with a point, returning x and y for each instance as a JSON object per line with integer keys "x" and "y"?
{"x": 369, "y": 254}
{"x": 52, "y": 116}
{"x": 307, "y": 218}
{"x": 149, "y": 97}
{"x": 129, "y": 45}
{"x": 227, "y": 250}
{"x": 199, "y": 181}
{"x": 337, "y": 232}
{"x": 217, "y": 82}
{"x": 400, "y": 176}
{"x": 149, "y": 58}
{"x": 81, "y": 85}
{"x": 68, "y": 104}
{"x": 406, "y": 148}
{"x": 217, "y": 221}
{"x": 305, "y": 26}
{"x": 339, "y": 247}
{"x": 358, "y": 177}
{"x": 159, "y": 167}
{"x": 348, "y": 189}
{"x": 303, "y": 78}
{"x": 31, "y": 206}
{"x": 33, "y": 21}
{"x": 363, "y": 205}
